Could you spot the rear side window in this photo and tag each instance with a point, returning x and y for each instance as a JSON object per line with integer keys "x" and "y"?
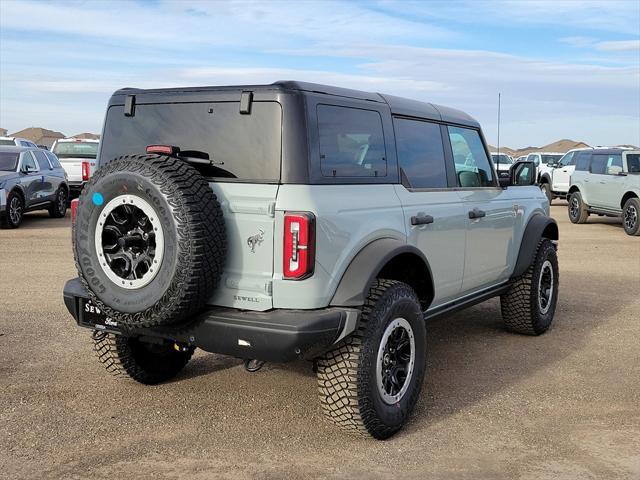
{"x": 583, "y": 161}
{"x": 633, "y": 162}
{"x": 472, "y": 164}
{"x": 240, "y": 147}
{"x": 351, "y": 142}
{"x": 420, "y": 153}
{"x": 41, "y": 158}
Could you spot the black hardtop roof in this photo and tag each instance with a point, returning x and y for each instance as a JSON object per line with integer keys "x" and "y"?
{"x": 398, "y": 105}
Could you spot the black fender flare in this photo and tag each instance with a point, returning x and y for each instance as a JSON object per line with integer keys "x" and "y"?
{"x": 366, "y": 265}
{"x": 539, "y": 226}
{"x": 545, "y": 177}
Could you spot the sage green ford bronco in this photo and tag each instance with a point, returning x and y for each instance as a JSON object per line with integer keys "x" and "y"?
{"x": 301, "y": 221}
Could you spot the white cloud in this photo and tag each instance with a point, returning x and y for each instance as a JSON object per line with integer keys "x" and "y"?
{"x": 619, "y": 46}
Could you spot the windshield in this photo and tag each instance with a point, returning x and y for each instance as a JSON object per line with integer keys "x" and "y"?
{"x": 633, "y": 162}
{"x": 503, "y": 158}
{"x": 76, "y": 149}
{"x": 5, "y": 141}
{"x": 551, "y": 158}
{"x": 8, "y": 161}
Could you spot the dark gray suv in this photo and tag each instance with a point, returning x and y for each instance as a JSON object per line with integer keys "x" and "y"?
{"x": 30, "y": 179}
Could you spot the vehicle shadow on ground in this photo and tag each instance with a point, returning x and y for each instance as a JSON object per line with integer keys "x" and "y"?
{"x": 42, "y": 221}
{"x": 472, "y": 357}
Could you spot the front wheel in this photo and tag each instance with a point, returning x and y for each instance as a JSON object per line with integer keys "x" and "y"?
{"x": 578, "y": 212}
{"x": 529, "y": 305}
{"x": 630, "y": 214}
{"x": 14, "y": 212}
{"x": 371, "y": 381}
{"x": 145, "y": 362}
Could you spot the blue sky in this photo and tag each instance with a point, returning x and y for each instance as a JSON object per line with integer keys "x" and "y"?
{"x": 566, "y": 69}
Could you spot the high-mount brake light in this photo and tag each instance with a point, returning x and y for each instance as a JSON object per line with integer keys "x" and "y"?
{"x": 85, "y": 171}
{"x": 299, "y": 245}
{"x": 163, "y": 149}
{"x": 74, "y": 210}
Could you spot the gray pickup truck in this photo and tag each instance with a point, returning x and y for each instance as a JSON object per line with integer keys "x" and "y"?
{"x": 302, "y": 221}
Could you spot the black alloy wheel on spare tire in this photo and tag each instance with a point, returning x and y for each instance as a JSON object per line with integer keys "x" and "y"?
{"x": 149, "y": 240}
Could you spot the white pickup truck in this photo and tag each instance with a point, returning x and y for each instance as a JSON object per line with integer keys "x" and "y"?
{"x": 78, "y": 158}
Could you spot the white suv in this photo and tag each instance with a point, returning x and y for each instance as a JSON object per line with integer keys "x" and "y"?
{"x": 503, "y": 163}
{"x": 606, "y": 181}
{"x": 555, "y": 180}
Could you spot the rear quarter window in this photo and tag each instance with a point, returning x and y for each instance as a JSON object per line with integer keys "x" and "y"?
{"x": 351, "y": 142}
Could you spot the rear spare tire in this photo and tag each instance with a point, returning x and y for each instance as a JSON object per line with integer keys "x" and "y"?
{"x": 149, "y": 240}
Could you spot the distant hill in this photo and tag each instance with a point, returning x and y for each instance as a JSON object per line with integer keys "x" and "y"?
{"x": 43, "y": 136}
{"x": 560, "y": 146}
{"x": 88, "y": 136}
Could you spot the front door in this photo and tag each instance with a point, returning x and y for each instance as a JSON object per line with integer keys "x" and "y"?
{"x": 30, "y": 179}
{"x": 562, "y": 174}
{"x": 489, "y": 211}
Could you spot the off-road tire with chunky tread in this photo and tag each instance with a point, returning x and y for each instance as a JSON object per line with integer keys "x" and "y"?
{"x": 346, "y": 374}
{"x": 519, "y": 305}
{"x": 583, "y": 213}
{"x": 636, "y": 228}
{"x": 145, "y": 363}
{"x": 196, "y": 226}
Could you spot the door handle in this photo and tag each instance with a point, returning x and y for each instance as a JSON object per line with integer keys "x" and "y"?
{"x": 421, "y": 219}
{"x": 603, "y": 183}
{"x": 476, "y": 213}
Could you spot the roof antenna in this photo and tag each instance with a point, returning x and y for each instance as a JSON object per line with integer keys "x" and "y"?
{"x": 498, "y": 164}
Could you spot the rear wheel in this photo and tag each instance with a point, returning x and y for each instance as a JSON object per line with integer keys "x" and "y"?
{"x": 58, "y": 208}
{"x": 15, "y": 210}
{"x": 630, "y": 216}
{"x": 529, "y": 305}
{"x": 578, "y": 212}
{"x": 371, "y": 381}
{"x": 145, "y": 362}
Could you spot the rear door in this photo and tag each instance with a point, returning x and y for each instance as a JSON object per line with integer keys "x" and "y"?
{"x": 489, "y": 211}
{"x": 434, "y": 215}
{"x": 48, "y": 184}
{"x": 244, "y": 152}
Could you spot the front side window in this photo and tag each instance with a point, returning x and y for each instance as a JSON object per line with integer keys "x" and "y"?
{"x": 550, "y": 158}
{"x": 420, "y": 153}
{"x": 583, "y": 160}
{"x": 472, "y": 165}
{"x": 351, "y": 142}
{"x": 601, "y": 162}
{"x": 8, "y": 161}
{"x": 566, "y": 159}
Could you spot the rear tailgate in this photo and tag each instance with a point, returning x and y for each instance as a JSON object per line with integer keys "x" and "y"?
{"x": 73, "y": 167}
{"x": 245, "y": 153}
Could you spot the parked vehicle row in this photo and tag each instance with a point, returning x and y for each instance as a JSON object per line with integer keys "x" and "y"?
{"x": 30, "y": 179}
{"x": 34, "y": 178}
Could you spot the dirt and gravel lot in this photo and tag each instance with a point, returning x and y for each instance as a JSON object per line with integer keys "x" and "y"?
{"x": 495, "y": 405}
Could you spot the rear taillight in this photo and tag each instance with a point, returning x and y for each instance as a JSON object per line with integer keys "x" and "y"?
{"x": 163, "y": 149}
{"x": 74, "y": 210}
{"x": 85, "y": 171}
{"x": 299, "y": 245}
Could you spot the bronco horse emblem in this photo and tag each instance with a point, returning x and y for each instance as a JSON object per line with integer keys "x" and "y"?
{"x": 254, "y": 240}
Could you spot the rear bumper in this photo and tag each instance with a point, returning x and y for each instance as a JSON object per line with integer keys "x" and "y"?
{"x": 75, "y": 188}
{"x": 277, "y": 335}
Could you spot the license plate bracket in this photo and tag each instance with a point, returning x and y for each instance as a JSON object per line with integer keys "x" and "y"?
{"x": 93, "y": 317}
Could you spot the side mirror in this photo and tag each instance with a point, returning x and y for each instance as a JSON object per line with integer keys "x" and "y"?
{"x": 522, "y": 174}
{"x": 614, "y": 170}
{"x": 27, "y": 169}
